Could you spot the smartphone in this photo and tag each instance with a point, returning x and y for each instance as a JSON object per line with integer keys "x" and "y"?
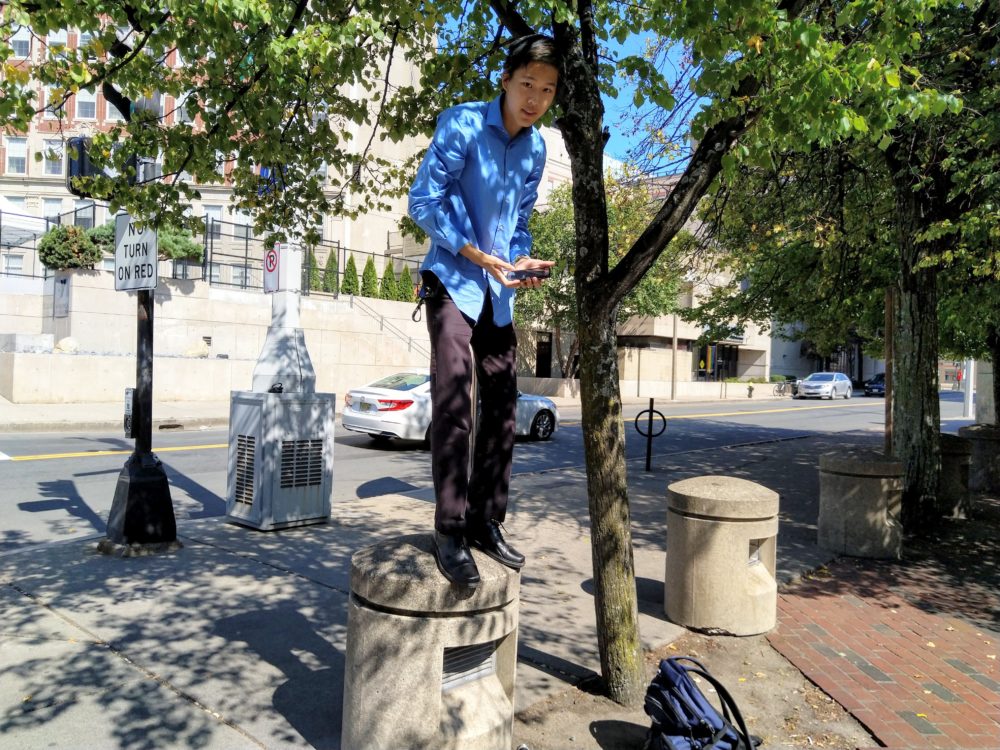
{"x": 529, "y": 273}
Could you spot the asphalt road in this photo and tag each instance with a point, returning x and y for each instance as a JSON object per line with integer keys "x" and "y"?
{"x": 59, "y": 486}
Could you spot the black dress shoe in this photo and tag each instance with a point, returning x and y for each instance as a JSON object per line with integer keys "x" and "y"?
{"x": 454, "y": 559}
{"x": 489, "y": 539}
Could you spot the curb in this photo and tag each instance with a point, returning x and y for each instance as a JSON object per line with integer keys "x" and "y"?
{"x": 160, "y": 425}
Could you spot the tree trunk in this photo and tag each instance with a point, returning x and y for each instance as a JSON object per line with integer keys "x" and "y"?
{"x": 993, "y": 342}
{"x": 615, "y": 600}
{"x": 916, "y": 408}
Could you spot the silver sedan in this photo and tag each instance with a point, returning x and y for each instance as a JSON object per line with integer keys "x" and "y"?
{"x": 825, "y": 385}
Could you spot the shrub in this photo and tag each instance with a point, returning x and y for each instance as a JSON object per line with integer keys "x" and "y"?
{"x": 388, "y": 288}
{"x": 369, "y": 279}
{"x": 312, "y": 269}
{"x": 172, "y": 243}
{"x": 104, "y": 237}
{"x": 404, "y": 286}
{"x": 65, "y": 247}
{"x": 350, "y": 284}
{"x": 177, "y": 244}
{"x": 331, "y": 274}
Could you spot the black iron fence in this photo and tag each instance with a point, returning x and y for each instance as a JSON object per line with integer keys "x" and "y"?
{"x": 233, "y": 257}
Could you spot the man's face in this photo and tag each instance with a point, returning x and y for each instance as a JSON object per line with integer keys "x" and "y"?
{"x": 530, "y": 91}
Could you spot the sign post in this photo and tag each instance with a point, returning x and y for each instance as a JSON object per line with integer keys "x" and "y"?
{"x": 142, "y": 513}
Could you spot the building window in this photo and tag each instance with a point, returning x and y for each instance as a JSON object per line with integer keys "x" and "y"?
{"x": 240, "y": 276}
{"x": 214, "y": 273}
{"x": 21, "y": 42}
{"x": 51, "y": 209}
{"x": 17, "y": 155}
{"x": 17, "y": 203}
{"x": 55, "y": 106}
{"x": 213, "y": 222}
{"x": 242, "y": 229}
{"x": 13, "y": 263}
{"x": 56, "y": 42}
{"x": 85, "y": 39}
{"x": 83, "y": 215}
{"x": 54, "y": 158}
{"x": 86, "y": 105}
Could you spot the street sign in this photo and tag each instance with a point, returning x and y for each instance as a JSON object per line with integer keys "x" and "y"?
{"x": 129, "y": 400}
{"x": 136, "y": 264}
{"x": 271, "y": 268}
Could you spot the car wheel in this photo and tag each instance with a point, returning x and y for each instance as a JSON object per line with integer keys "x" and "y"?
{"x": 543, "y": 425}
{"x": 847, "y": 393}
{"x": 379, "y": 439}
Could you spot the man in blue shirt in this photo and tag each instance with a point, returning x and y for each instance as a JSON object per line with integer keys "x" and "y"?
{"x": 473, "y": 195}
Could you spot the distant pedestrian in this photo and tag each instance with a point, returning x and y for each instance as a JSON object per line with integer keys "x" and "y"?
{"x": 473, "y": 195}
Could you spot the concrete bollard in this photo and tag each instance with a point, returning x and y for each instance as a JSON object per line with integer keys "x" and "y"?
{"x": 956, "y": 461}
{"x": 429, "y": 665}
{"x": 860, "y": 500}
{"x": 984, "y": 473}
{"x": 721, "y": 555}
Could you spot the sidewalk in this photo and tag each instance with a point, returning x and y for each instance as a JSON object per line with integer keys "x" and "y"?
{"x": 238, "y": 639}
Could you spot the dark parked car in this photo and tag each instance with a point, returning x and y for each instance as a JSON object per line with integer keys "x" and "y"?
{"x": 876, "y": 386}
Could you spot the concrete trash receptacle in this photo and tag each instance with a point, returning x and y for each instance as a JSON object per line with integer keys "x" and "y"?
{"x": 860, "y": 500}
{"x": 953, "y": 491}
{"x": 721, "y": 555}
{"x": 984, "y": 472}
{"x": 429, "y": 664}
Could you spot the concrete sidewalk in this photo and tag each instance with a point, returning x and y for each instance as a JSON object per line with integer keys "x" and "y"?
{"x": 238, "y": 639}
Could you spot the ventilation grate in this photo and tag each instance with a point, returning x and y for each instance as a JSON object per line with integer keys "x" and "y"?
{"x": 246, "y": 450}
{"x": 464, "y": 664}
{"x": 301, "y": 463}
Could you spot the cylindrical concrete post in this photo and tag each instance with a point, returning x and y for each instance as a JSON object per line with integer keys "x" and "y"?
{"x": 860, "y": 499}
{"x": 953, "y": 491}
{"x": 721, "y": 555}
{"x": 984, "y": 473}
{"x": 429, "y": 664}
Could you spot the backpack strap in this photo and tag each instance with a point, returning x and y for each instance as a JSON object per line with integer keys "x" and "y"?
{"x": 727, "y": 703}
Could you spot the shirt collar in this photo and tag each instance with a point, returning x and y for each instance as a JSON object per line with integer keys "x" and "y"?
{"x": 494, "y": 118}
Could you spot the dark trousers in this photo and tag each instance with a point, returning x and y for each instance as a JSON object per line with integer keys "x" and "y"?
{"x": 463, "y": 500}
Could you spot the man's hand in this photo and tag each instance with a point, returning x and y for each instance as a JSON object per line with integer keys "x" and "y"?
{"x": 525, "y": 263}
{"x": 498, "y": 268}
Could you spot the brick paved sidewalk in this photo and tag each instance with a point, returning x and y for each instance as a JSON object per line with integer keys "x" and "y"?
{"x": 910, "y": 654}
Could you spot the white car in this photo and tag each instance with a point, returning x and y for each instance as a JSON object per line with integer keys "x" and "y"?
{"x": 825, "y": 385}
{"x": 399, "y": 406}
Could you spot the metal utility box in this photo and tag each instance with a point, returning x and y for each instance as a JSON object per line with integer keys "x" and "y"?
{"x": 280, "y": 459}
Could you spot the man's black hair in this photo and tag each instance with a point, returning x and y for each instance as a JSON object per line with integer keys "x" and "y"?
{"x": 528, "y": 49}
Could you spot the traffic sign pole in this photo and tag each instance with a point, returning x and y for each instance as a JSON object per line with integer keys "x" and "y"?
{"x": 142, "y": 514}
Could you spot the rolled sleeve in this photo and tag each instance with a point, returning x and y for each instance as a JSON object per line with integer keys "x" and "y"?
{"x": 435, "y": 202}
{"x": 520, "y": 243}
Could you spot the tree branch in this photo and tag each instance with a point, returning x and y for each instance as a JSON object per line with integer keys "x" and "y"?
{"x": 704, "y": 166}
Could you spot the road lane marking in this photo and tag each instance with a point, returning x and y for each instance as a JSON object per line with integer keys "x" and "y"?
{"x": 746, "y": 413}
{"x": 4, "y": 456}
{"x": 88, "y": 454}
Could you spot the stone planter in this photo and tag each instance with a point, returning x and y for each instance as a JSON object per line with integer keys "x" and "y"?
{"x": 984, "y": 472}
{"x": 860, "y": 499}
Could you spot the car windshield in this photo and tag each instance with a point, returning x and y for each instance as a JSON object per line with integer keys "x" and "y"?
{"x": 820, "y": 377}
{"x": 878, "y": 378}
{"x": 403, "y": 381}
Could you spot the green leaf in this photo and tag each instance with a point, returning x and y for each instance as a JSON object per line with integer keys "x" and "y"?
{"x": 891, "y": 77}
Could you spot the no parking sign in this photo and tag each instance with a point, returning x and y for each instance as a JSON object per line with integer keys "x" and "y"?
{"x": 271, "y": 266}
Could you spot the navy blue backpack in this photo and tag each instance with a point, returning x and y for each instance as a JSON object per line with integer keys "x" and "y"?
{"x": 683, "y": 719}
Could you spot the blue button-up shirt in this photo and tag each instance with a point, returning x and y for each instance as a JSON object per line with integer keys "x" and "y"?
{"x": 477, "y": 186}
